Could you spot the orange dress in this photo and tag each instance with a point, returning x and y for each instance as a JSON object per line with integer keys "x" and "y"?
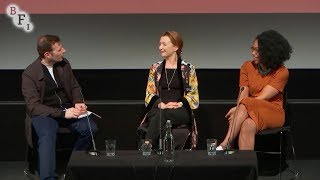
{"x": 265, "y": 113}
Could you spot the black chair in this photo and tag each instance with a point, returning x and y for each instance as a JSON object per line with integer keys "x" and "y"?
{"x": 266, "y": 150}
{"x": 64, "y": 146}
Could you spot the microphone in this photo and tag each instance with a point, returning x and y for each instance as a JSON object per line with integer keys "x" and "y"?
{"x": 160, "y": 149}
{"x": 93, "y": 152}
{"x": 233, "y": 121}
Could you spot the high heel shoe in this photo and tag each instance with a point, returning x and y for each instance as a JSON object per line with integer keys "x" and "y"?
{"x": 220, "y": 148}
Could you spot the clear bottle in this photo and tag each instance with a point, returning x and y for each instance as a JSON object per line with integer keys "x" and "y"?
{"x": 168, "y": 151}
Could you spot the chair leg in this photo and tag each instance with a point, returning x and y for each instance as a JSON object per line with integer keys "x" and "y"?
{"x": 30, "y": 168}
{"x": 26, "y": 164}
{"x": 295, "y": 171}
{"x": 184, "y": 144}
{"x": 26, "y": 170}
{"x": 280, "y": 155}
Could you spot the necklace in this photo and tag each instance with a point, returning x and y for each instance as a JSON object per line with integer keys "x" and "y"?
{"x": 261, "y": 71}
{"x": 168, "y": 83}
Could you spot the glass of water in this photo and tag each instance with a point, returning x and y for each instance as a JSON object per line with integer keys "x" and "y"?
{"x": 110, "y": 147}
{"x": 146, "y": 147}
{"x": 211, "y": 146}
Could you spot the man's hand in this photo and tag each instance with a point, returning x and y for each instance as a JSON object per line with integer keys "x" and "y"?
{"x": 81, "y": 107}
{"x": 72, "y": 113}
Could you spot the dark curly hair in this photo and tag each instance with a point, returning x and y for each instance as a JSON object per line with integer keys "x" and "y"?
{"x": 273, "y": 49}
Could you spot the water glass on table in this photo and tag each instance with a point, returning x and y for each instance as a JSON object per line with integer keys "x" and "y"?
{"x": 110, "y": 147}
{"x": 211, "y": 147}
{"x": 146, "y": 147}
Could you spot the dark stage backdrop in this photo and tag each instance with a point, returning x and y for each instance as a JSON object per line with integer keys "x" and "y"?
{"x": 118, "y": 96}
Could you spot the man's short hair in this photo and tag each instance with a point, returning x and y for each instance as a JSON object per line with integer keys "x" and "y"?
{"x": 45, "y": 43}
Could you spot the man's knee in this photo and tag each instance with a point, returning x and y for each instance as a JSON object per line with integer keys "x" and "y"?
{"x": 94, "y": 127}
{"x": 84, "y": 128}
{"x": 45, "y": 126}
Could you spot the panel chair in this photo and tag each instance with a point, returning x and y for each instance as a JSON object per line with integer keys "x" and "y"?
{"x": 64, "y": 146}
{"x": 263, "y": 145}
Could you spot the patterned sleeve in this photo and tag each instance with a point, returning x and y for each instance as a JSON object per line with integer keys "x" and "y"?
{"x": 151, "y": 86}
{"x": 192, "y": 94}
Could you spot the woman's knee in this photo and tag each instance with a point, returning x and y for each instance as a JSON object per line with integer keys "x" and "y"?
{"x": 242, "y": 110}
{"x": 248, "y": 127}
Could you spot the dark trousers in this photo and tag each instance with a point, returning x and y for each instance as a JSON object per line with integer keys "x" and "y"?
{"x": 46, "y": 129}
{"x": 177, "y": 117}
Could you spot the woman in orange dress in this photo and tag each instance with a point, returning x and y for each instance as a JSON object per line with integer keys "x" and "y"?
{"x": 262, "y": 83}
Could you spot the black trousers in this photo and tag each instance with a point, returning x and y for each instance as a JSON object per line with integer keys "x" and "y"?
{"x": 179, "y": 116}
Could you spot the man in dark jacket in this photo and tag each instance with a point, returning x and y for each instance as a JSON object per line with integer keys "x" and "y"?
{"x": 53, "y": 98}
